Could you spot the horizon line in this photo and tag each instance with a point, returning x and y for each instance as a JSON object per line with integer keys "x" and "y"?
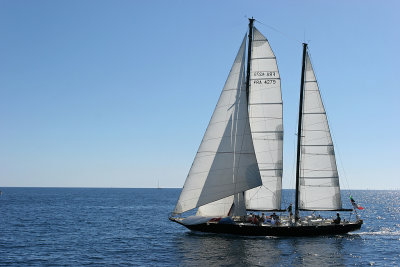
{"x": 107, "y": 187}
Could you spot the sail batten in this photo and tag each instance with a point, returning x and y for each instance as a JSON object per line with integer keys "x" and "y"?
{"x": 265, "y": 114}
{"x": 319, "y": 187}
{"x": 225, "y": 164}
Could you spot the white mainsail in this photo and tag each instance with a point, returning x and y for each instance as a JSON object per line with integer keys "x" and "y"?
{"x": 225, "y": 163}
{"x": 319, "y": 180}
{"x": 266, "y": 123}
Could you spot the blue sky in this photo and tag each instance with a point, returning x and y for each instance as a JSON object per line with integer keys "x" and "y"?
{"x": 119, "y": 93}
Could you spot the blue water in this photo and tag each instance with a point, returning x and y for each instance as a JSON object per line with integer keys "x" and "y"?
{"x": 130, "y": 227}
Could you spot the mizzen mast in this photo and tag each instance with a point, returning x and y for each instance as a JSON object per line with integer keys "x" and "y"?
{"x": 299, "y": 132}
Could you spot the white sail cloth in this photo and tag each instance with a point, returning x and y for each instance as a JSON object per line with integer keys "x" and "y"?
{"x": 266, "y": 123}
{"x": 225, "y": 163}
{"x": 229, "y": 206}
{"x": 319, "y": 180}
{"x": 217, "y": 208}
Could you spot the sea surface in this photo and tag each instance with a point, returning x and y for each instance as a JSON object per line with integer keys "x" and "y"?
{"x": 130, "y": 227}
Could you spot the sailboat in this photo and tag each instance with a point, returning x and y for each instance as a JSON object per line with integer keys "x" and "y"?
{"x": 238, "y": 167}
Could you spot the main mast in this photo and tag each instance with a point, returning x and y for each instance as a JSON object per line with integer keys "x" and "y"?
{"x": 249, "y": 57}
{"x": 240, "y": 196}
{"x": 299, "y": 132}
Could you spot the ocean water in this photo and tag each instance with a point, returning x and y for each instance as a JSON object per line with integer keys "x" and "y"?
{"x": 130, "y": 227}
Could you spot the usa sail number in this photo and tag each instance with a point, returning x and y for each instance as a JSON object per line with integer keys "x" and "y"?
{"x": 265, "y": 73}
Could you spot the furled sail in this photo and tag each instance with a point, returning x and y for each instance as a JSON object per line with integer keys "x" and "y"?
{"x": 225, "y": 163}
{"x": 319, "y": 180}
{"x": 265, "y": 113}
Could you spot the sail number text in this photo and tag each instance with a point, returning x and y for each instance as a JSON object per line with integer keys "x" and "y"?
{"x": 265, "y": 73}
{"x": 264, "y": 81}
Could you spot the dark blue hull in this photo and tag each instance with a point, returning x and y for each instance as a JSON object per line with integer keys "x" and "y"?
{"x": 265, "y": 230}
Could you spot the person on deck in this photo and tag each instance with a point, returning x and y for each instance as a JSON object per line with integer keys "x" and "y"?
{"x": 289, "y": 209}
{"x": 275, "y": 218}
{"x": 337, "y": 220}
{"x": 263, "y": 219}
{"x": 255, "y": 220}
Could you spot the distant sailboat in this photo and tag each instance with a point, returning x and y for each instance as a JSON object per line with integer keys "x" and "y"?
{"x": 238, "y": 167}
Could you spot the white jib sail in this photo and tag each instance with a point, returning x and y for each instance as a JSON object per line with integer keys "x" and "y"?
{"x": 319, "y": 179}
{"x": 265, "y": 112}
{"x": 229, "y": 206}
{"x": 225, "y": 163}
{"x": 217, "y": 208}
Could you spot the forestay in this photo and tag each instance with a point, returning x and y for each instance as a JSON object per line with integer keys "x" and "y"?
{"x": 225, "y": 163}
{"x": 319, "y": 181}
{"x": 265, "y": 112}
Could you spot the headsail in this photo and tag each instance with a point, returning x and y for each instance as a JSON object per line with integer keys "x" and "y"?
{"x": 232, "y": 205}
{"x": 266, "y": 123}
{"x": 217, "y": 208}
{"x": 225, "y": 163}
{"x": 319, "y": 180}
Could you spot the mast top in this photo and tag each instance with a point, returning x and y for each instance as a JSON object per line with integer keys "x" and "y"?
{"x": 249, "y": 57}
{"x": 251, "y": 22}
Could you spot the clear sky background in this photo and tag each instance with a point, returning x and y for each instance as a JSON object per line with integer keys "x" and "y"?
{"x": 119, "y": 93}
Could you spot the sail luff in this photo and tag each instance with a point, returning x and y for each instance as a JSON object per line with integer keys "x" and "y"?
{"x": 225, "y": 163}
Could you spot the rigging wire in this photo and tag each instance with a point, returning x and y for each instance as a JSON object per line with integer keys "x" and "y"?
{"x": 280, "y": 32}
{"x": 343, "y": 169}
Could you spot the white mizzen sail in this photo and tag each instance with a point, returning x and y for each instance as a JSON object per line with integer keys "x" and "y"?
{"x": 225, "y": 163}
{"x": 319, "y": 180}
{"x": 266, "y": 123}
